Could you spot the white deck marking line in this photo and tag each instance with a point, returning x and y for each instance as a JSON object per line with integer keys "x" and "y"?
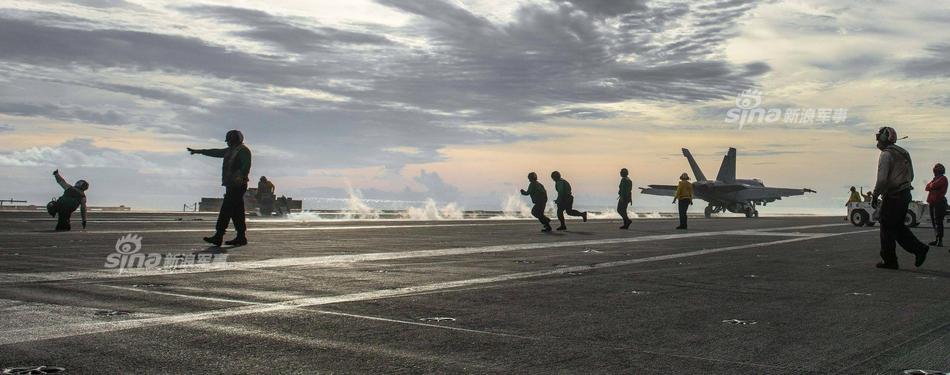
{"x": 535, "y": 338}
{"x": 353, "y": 258}
{"x": 70, "y": 330}
{"x": 436, "y": 326}
{"x": 266, "y": 229}
{"x": 242, "y": 302}
{"x": 538, "y": 338}
{"x": 428, "y": 325}
{"x": 317, "y": 342}
{"x": 541, "y": 338}
{"x": 179, "y": 295}
{"x": 768, "y": 233}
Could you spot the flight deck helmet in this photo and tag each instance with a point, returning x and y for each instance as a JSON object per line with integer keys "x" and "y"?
{"x": 887, "y": 135}
{"x": 234, "y": 138}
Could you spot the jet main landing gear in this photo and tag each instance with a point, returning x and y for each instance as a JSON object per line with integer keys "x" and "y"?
{"x": 740, "y": 208}
{"x": 751, "y": 212}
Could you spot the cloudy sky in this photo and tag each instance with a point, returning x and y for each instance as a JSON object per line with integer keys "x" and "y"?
{"x": 458, "y": 99}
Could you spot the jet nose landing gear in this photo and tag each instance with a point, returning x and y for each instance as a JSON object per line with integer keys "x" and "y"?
{"x": 712, "y": 209}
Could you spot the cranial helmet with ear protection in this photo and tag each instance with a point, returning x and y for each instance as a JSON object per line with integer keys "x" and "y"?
{"x": 82, "y": 185}
{"x": 887, "y": 134}
{"x": 234, "y": 137}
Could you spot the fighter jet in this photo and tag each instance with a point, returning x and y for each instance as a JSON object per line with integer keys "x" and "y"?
{"x": 727, "y": 193}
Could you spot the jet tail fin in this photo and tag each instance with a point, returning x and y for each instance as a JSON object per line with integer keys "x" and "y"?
{"x": 727, "y": 171}
{"x": 698, "y": 173}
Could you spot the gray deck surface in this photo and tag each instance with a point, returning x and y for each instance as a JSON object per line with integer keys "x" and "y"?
{"x": 362, "y": 297}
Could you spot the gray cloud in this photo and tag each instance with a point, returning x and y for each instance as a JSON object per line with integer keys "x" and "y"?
{"x": 444, "y": 13}
{"x": 82, "y": 153}
{"x": 147, "y": 93}
{"x": 71, "y": 154}
{"x": 936, "y": 63}
{"x": 6, "y": 128}
{"x": 350, "y": 135}
{"x": 282, "y": 32}
{"x": 65, "y": 113}
{"x": 582, "y": 113}
{"x": 472, "y": 79}
{"x": 480, "y": 71}
{"x": 854, "y": 66}
{"x": 136, "y": 178}
{"x": 701, "y": 29}
{"x": 560, "y": 56}
{"x": 100, "y": 3}
{"x": 32, "y": 43}
{"x": 940, "y": 100}
{"x": 437, "y": 188}
{"x": 608, "y": 7}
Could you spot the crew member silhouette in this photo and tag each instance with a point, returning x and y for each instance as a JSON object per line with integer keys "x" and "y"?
{"x": 564, "y": 201}
{"x": 539, "y": 196}
{"x": 684, "y": 194}
{"x": 234, "y": 177}
{"x": 265, "y": 196}
{"x": 937, "y": 199}
{"x": 625, "y": 197}
{"x": 895, "y": 177}
{"x": 74, "y": 197}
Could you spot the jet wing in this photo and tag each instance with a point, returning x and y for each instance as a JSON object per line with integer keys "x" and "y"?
{"x": 662, "y": 190}
{"x": 772, "y": 194}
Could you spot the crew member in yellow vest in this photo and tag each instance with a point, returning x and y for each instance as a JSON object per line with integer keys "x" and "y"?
{"x": 855, "y": 196}
{"x": 684, "y": 194}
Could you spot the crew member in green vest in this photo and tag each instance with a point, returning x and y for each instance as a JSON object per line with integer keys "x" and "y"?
{"x": 539, "y": 196}
{"x": 565, "y": 200}
{"x": 625, "y": 197}
{"x": 234, "y": 177}
{"x": 265, "y": 196}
